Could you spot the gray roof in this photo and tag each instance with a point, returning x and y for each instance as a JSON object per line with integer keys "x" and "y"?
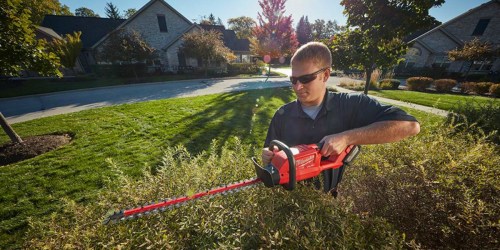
{"x": 92, "y": 28}
{"x": 229, "y": 37}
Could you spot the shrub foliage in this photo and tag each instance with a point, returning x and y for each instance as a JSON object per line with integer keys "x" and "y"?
{"x": 389, "y": 84}
{"x": 254, "y": 218}
{"x": 419, "y": 83}
{"x": 444, "y": 85}
{"x": 394, "y": 195}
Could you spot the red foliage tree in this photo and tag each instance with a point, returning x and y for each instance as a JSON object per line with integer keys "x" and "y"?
{"x": 274, "y": 36}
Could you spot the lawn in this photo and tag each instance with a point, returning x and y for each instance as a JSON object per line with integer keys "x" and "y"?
{"x": 437, "y": 100}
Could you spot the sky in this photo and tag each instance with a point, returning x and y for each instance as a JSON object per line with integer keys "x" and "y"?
{"x": 225, "y": 9}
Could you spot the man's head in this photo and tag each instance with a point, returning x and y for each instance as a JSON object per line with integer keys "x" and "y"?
{"x": 310, "y": 70}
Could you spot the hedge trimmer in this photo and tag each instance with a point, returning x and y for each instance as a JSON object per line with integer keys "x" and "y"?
{"x": 288, "y": 166}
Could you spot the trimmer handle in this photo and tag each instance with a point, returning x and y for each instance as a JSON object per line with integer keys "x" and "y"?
{"x": 291, "y": 163}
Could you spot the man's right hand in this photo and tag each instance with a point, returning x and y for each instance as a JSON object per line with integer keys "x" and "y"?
{"x": 267, "y": 155}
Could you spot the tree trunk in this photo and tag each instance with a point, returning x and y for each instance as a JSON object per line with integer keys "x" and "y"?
{"x": 367, "y": 82}
{"x": 9, "y": 131}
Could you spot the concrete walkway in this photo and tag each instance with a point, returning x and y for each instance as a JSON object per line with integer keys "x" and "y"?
{"x": 20, "y": 109}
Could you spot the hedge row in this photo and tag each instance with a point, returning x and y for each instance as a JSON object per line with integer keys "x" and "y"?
{"x": 446, "y": 85}
{"x": 481, "y": 88}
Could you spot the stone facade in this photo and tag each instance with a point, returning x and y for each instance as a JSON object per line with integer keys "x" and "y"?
{"x": 167, "y": 43}
{"x": 430, "y": 49}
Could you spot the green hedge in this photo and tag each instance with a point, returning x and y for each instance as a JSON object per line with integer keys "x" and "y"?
{"x": 389, "y": 84}
{"x": 243, "y": 68}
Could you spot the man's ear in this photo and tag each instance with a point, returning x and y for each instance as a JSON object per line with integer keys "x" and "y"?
{"x": 326, "y": 75}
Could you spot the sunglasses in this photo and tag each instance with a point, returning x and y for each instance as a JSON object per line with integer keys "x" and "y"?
{"x": 306, "y": 78}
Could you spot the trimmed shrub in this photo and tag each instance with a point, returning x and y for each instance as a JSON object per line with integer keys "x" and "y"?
{"x": 419, "y": 83}
{"x": 467, "y": 87}
{"x": 389, "y": 84}
{"x": 243, "y": 68}
{"x": 443, "y": 193}
{"x": 482, "y": 88}
{"x": 495, "y": 90}
{"x": 444, "y": 85}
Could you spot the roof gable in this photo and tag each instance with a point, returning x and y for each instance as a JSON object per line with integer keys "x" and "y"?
{"x": 469, "y": 12}
{"x": 92, "y": 28}
{"x": 138, "y": 13}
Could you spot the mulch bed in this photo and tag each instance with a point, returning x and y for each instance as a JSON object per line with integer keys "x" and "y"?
{"x": 31, "y": 147}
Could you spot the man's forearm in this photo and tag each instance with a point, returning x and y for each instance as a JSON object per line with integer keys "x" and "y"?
{"x": 382, "y": 132}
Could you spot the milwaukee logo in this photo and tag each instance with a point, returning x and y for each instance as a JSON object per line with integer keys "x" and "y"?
{"x": 302, "y": 163}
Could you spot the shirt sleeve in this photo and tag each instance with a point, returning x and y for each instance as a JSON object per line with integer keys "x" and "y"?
{"x": 367, "y": 110}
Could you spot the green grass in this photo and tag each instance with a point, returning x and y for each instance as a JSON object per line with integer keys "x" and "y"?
{"x": 131, "y": 136}
{"x": 437, "y": 100}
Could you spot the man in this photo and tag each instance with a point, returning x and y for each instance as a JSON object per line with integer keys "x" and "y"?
{"x": 335, "y": 119}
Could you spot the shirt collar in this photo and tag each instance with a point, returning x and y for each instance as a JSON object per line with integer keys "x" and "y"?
{"x": 299, "y": 112}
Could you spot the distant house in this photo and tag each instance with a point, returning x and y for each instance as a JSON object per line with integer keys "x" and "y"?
{"x": 160, "y": 25}
{"x": 430, "y": 49}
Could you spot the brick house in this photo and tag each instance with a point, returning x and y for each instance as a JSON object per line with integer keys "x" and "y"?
{"x": 430, "y": 49}
{"x": 160, "y": 26}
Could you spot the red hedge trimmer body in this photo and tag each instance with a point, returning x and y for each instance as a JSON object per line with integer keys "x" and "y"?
{"x": 288, "y": 166}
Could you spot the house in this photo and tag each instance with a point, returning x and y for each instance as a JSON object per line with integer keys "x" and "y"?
{"x": 160, "y": 26}
{"x": 430, "y": 50}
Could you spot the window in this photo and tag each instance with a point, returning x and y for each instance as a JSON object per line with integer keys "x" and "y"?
{"x": 441, "y": 62}
{"x": 162, "y": 23}
{"x": 480, "y": 27}
{"x": 482, "y": 66}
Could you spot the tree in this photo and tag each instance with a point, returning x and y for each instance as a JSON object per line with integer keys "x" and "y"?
{"x": 112, "y": 11}
{"x": 206, "y": 45}
{"x": 274, "y": 36}
{"x": 67, "y": 49}
{"x": 9, "y": 130}
{"x": 128, "y": 13}
{"x": 396, "y": 18}
{"x": 382, "y": 26}
{"x": 126, "y": 46}
{"x": 474, "y": 50}
{"x": 242, "y": 26}
{"x": 318, "y": 29}
{"x": 357, "y": 49}
{"x": 85, "y": 12}
{"x": 19, "y": 49}
{"x": 40, "y": 8}
{"x": 304, "y": 31}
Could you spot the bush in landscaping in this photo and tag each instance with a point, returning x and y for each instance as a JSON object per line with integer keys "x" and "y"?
{"x": 255, "y": 218}
{"x": 495, "y": 90}
{"x": 444, "y": 85}
{"x": 389, "y": 84}
{"x": 125, "y": 70}
{"x": 485, "y": 116}
{"x": 482, "y": 88}
{"x": 419, "y": 83}
{"x": 441, "y": 188}
{"x": 467, "y": 87}
{"x": 243, "y": 68}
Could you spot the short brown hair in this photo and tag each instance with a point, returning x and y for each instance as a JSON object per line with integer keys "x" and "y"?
{"x": 315, "y": 52}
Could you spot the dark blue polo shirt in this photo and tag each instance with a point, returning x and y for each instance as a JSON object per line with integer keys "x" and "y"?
{"x": 339, "y": 112}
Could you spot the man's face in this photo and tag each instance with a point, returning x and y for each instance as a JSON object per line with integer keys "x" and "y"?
{"x": 311, "y": 93}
